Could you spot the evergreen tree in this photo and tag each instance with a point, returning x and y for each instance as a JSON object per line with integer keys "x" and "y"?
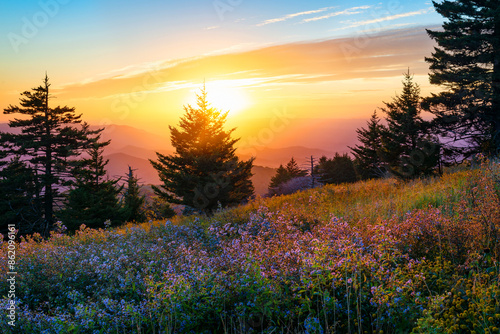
{"x": 133, "y": 200}
{"x": 93, "y": 198}
{"x": 18, "y": 202}
{"x": 466, "y": 63}
{"x": 407, "y": 149}
{"x": 49, "y": 143}
{"x": 367, "y": 154}
{"x": 280, "y": 177}
{"x": 293, "y": 169}
{"x": 204, "y": 171}
{"x": 285, "y": 174}
{"x": 339, "y": 169}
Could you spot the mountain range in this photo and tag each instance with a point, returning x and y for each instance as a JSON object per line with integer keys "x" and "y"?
{"x": 134, "y": 147}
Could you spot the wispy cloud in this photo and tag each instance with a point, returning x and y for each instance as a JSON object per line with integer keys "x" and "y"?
{"x": 385, "y": 28}
{"x": 349, "y": 11}
{"x": 386, "y": 54}
{"x": 212, "y": 27}
{"x": 389, "y": 18}
{"x": 121, "y": 73}
{"x": 291, "y": 16}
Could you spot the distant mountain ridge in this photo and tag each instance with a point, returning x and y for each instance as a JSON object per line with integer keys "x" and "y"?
{"x": 122, "y": 136}
{"x": 142, "y": 144}
{"x": 119, "y": 162}
{"x": 134, "y": 147}
{"x": 273, "y": 157}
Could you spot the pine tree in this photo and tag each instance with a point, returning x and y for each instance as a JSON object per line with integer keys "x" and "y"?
{"x": 133, "y": 200}
{"x": 280, "y": 177}
{"x": 407, "y": 149}
{"x": 339, "y": 169}
{"x": 293, "y": 169}
{"x": 285, "y": 174}
{"x": 204, "y": 172}
{"x": 18, "y": 202}
{"x": 367, "y": 153}
{"x": 93, "y": 198}
{"x": 49, "y": 144}
{"x": 466, "y": 63}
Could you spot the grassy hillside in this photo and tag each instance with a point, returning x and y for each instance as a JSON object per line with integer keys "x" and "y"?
{"x": 372, "y": 257}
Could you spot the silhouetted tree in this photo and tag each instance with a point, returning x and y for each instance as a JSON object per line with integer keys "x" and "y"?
{"x": 93, "y": 198}
{"x": 407, "y": 149}
{"x": 49, "y": 144}
{"x": 19, "y": 204}
{"x": 204, "y": 171}
{"x": 466, "y": 63}
{"x": 280, "y": 177}
{"x": 339, "y": 169}
{"x": 367, "y": 161}
{"x": 133, "y": 200}
{"x": 294, "y": 170}
{"x": 285, "y": 174}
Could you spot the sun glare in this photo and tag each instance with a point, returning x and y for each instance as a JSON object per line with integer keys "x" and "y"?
{"x": 223, "y": 96}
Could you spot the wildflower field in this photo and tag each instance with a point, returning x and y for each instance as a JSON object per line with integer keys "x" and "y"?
{"x": 372, "y": 257}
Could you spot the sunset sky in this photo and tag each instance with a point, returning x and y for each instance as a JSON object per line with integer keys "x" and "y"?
{"x": 138, "y": 62}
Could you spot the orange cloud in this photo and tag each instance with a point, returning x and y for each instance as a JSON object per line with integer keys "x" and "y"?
{"x": 367, "y": 56}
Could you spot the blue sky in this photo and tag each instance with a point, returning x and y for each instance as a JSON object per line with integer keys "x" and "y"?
{"x": 122, "y": 33}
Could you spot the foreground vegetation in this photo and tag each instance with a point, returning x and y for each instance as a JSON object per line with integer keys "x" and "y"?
{"x": 371, "y": 257}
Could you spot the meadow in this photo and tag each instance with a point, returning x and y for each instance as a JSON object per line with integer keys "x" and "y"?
{"x": 379, "y": 256}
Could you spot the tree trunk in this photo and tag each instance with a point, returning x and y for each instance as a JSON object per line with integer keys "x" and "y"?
{"x": 48, "y": 203}
{"x": 495, "y": 105}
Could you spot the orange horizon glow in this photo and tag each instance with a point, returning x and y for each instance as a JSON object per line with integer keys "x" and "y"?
{"x": 311, "y": 81}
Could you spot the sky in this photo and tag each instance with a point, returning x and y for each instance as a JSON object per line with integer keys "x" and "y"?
{"x": 138, "y": 63}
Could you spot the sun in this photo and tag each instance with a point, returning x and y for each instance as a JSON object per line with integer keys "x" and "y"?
{"x": 228, "y": 99}
{"x": 225, "y": 97}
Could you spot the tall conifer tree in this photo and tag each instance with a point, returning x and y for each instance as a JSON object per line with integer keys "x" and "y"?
{"x": 367, "y": 154}
{"x": 281, "y": 176}
{"x": 407, "y": 149}
{"x": 93, "y": 198}
{"x": 466, "y": 63}
{"x": 204, "y": 172}
{"x": 49, "y": 143}
{"x": 133, "y": 201}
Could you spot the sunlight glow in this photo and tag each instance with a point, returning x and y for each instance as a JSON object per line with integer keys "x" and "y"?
{"x": 224, "y": 96}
